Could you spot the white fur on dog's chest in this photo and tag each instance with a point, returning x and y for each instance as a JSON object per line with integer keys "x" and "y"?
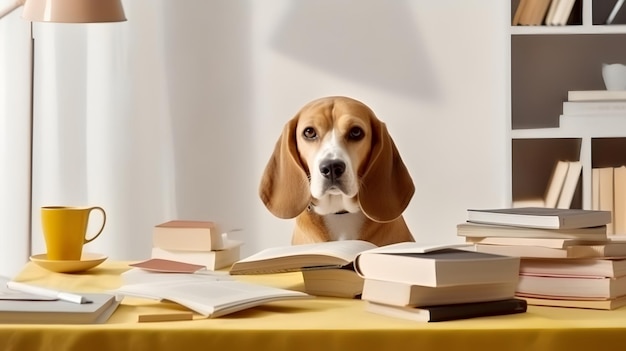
{"x": 345, "y": 226}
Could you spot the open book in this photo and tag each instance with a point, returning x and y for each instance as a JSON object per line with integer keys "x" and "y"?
{"x": 209, "y": 297}
{"x": 332, "y": 254}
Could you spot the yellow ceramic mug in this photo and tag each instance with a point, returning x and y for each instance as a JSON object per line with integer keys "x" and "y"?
{"x": 65, "y": 230}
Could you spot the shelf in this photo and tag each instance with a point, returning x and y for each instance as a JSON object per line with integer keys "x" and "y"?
{"x": 545, "y": 63}
{"x": 569, "y": 30}
{"x": 578, "y": 127}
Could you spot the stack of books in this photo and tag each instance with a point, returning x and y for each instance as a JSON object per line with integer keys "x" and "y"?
{"x": 435, "y": 283}
{"x": 195, "y": 242}
{"x": 595, "y": 103}
{"x": 566, "y": 257}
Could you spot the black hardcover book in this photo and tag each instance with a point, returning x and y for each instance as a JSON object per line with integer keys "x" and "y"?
{"x": 443, "y": 313}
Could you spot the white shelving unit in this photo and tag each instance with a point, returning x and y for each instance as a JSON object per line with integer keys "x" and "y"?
{"x": 584, "y": 128}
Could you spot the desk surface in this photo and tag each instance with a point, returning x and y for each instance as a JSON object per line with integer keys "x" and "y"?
{"x": 316, "y": 324}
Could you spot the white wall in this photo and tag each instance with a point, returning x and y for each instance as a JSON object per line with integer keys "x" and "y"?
{"x": 218, "y": 79}
{"x": 434, "y": 71}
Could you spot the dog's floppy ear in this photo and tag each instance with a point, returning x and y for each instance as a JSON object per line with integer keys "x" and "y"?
{"x": 386, "y": 185}
{"x": 284, "y": 185}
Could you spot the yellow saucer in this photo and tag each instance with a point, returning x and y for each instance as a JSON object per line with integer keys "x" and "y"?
{"x": 87, "y": 261}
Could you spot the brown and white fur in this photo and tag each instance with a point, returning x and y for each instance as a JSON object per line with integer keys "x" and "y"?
{"x": 336, "y": 170}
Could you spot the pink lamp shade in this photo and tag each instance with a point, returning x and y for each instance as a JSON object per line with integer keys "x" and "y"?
{"x": 74, "y": 11}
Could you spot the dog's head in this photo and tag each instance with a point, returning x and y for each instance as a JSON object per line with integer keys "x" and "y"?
{"x": 334, "y": 156}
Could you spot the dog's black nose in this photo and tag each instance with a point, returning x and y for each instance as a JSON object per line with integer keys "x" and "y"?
{"x": 332, "y": 169}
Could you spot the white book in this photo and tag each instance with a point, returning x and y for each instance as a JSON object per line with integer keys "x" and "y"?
{"x": 586, "y": 108}
{"x": 569, "y": 185}
{"x": 38, "y": 307}
{"x": 408, "y": 263}
{"x": 210, "y": 297}
{"x": 549, "y": 20}
{"x": 562, "y": 12}
{"x": 596, "y": 95}
{"x": 540, "y": 217}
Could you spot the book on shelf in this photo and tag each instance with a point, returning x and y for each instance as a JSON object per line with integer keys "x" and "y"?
{"x": 214, "y": 259}
{"x": 335, "y": 282}
{"x": 596, "y": 95}
{"x": 59, "y": 311}
{"x": 402, "y": 294}
{"x": 572, "y": 286}
{"x": 591, "y": 108}
{"x": 601, "y": 267}
{"x": 331, "y": 254}
{"x": 517, "y": 16}
{"x": 553, "y": 190}
{"x": 605, "y": 193}
{"x": 559, "y": 301}
{"x": 562, "y": 12}
{"x": 409, "y": 263}
{"x": 209, "y": 297}
{"x": 595, "y": 188}
{"x": 541, "y": 242}
{"x": 610, "y": 249}
{"x": 187, "y": 235}
{"x": 570, "y": 184}
{"x": 619, "y": 200}
{"x": 451, "y": 312}
{"x": 540, "y": 217}
{"x": 478, "y": 230}
{"x": 531, "y": 12}
{"x": 551, "y": 12}
{"x": 616, "y": 8}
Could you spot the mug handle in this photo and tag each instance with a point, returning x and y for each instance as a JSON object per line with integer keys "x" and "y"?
{"x": 104, "y": 220}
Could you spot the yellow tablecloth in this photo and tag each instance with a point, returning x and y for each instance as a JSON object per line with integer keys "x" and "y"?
{"x": 317, "y": 324}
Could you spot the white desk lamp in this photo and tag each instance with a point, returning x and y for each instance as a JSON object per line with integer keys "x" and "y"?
{"x": 60, "y": 11}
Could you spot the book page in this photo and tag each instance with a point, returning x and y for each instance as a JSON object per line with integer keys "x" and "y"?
{"x": 344, "y": 249}
{"x": 411, "y": 247}
{"x": 210, "y": 298}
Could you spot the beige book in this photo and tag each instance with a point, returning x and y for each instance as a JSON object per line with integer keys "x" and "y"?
{"x": 611, "y": 249}
{"x": 572, "y": 286}
{"x": 606, "y": 195}
{"x": 541, "y": 242}
{"x": 619, "y": 201}
{"x": 215, "y": 259}
{"x": 409, "y": 263}
{"x": 560, "y": 301}
{"x": 595, "y": 188}
{"x": 540, "y": 217}
{"x": 335, "y": 282}
{"x": 187, "y": 235}
{"x": 401, "y": 294}
{"x": 580, "y": 267}
{"x": 570, "y": 184}
{"x": 477, "y": 230}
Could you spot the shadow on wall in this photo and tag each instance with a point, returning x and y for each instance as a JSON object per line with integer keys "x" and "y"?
{"x": 208, "y": 63}
{"x": 369, "y": 41}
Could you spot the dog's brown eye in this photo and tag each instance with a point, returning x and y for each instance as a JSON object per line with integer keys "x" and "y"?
{"x": 309, "y": 133}
{"x": 356, "y": 133}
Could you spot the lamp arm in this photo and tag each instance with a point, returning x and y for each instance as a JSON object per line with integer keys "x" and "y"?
{"x": 11, "y": 8}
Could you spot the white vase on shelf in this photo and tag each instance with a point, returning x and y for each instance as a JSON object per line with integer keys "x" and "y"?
{"x": 614, "y": 76}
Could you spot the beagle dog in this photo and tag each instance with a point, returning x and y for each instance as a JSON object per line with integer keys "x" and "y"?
{"x": 336, "y": 170}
